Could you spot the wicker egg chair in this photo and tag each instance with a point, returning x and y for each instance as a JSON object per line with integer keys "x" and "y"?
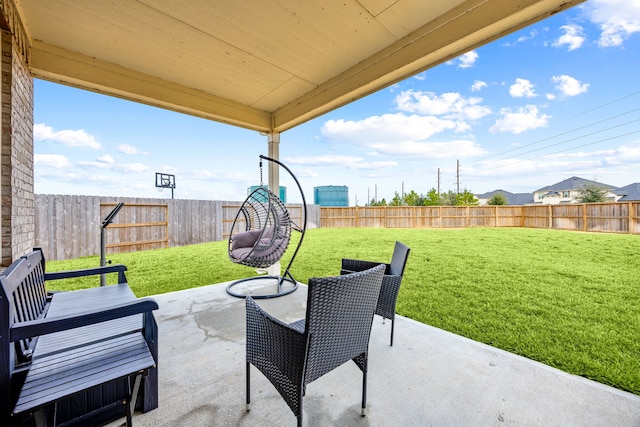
{"x": 260, "y": 235}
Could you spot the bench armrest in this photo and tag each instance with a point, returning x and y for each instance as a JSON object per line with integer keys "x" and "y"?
{"x": 49, "y": 325}
{"x": 118, "y": 268}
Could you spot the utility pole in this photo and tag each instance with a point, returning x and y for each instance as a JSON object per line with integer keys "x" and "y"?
{"x": 438, "y": 181}
{"x": 458, "y": 176}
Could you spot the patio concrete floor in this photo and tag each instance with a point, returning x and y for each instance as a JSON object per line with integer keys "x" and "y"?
{"x": 428, "y": 378}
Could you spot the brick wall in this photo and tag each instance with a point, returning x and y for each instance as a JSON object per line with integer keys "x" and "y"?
{"x": 16, "y": 155}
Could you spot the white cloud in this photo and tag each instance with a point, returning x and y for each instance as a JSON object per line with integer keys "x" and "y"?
{"x": 348, "y": 162}
{"x": 478, "y": 85}
{"x": 629, "y": 153}
{"x": 617, "y": 19}
{"x": 107, "y": 162}
{"x": 70, "y": 138}
{"x": 106, "y": 159}
{"x": 128, "y": 149}
{"x": 468, "y": 59}
{"x": 449, "y": 105}
{"x": 569, "y": 86}
{"x": 131, "y": 167}
{"x": 386, "y": 128}
{"x": 573, "y": 37}
{"x": 522, "y": 88}
{"x": 523, "y": 119}
{"x": 422, "y": 76}
{"x": 331, "y": 160}
{"x": 523, "y": 38}
{"x": 57, "y": 161}
{"x": 430, "y": 150}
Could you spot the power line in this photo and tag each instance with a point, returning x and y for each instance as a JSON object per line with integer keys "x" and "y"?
{"x": 572, "y": 130}
{"x": 562, "y": 134}
{"x": 583, "y": 145}
{"x": 581, "y": 136}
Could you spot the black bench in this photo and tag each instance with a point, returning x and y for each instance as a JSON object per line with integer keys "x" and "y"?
{"x": 83, "y": 357}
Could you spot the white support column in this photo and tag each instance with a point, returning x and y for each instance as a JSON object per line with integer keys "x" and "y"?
{"x": 274, "y": 183}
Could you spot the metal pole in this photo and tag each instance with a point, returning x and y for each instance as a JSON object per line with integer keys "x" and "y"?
{"x": 103, "y": 244}
{"x": 103, "y": 256}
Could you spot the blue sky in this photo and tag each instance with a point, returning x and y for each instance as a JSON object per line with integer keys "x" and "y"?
{"x": 557, "y": 99}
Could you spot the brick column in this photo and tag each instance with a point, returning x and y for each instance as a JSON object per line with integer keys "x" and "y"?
{"x": 17, "y": 227}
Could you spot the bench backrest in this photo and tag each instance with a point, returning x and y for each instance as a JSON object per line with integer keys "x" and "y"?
{"x": 23, "y": 297}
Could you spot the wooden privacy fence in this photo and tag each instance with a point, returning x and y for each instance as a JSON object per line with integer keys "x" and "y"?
{"x": 69, "y": 227}
{"x": 620, "y": 217}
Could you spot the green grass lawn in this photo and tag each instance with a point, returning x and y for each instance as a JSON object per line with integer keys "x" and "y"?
{"x": 566, "y": 299}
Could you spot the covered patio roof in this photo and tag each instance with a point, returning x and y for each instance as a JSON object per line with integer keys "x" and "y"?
{"x": 262, "y": 65}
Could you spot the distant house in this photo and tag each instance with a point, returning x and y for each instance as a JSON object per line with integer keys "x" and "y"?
{"x": 568, "y": 190}
{"x": 629, "y": 192}
{"x": 514, "y": 199}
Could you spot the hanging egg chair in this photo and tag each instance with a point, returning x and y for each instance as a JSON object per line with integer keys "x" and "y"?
{"x": 263, "y": 230}
{"x": 260, "y": 235}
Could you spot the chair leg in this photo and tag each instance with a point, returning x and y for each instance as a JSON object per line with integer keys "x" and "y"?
{"x": 248, "y": 387}
{"x": 393, "y": 323}
{"x": 299, "y": 416}
{"x": 364, "y": 385}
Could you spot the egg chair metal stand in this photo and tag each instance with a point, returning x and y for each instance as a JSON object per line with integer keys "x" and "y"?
{"x": 260, "y": 236}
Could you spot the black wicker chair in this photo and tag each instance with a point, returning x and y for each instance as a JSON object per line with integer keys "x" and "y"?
{"x": 336, "y": 329}
{"x": 390, "y": 283}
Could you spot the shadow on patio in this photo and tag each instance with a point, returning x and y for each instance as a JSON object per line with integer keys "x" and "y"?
{"x": 428, "y": 378}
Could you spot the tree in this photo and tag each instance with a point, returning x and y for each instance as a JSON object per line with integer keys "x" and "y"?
{"x": 397, "y": 200}
{"x": 591, "y": 193}
{"x": 413, "y": 199}
{"x": 449, "y": 198}
{"x": 466, "y": 198}
{"x": 432, "y": 199}
{"x": 498, "y": 199}
{"x": 382, "y": 202}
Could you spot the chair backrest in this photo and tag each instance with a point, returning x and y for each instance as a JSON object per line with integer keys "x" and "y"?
{"x": 399, "y": 259}
{"x": 339, "y": 317}
{"x": 261, "y": 232}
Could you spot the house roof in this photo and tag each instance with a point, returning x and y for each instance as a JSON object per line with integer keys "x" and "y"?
{"x": 266, "y": 65}
{"x": 514, "y": 199}
{"x": 629, "y": 192}
{"x": 573, "y": 183}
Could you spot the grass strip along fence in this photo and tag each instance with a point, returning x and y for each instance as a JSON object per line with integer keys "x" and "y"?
{"x": 566, "y": 299}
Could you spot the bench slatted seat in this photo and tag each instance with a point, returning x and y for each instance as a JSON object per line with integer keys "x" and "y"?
{"x": 58, "y": 375}
{"x": 77, "y": 357}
